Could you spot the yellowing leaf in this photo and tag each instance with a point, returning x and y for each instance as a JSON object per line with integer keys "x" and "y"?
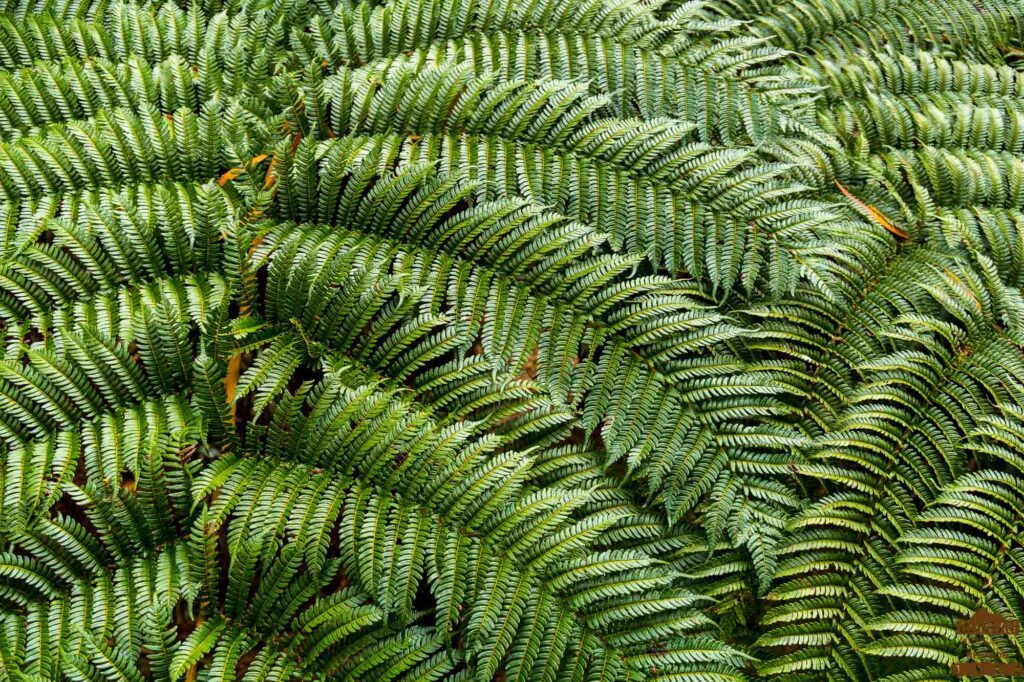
{"x": 269, "y": 179}
{"x": 231, "y": 381}
{"x": 233, "y": 173}
{"x": 228, "y": 176}
{"x": 957, "y": 281}
{"x": 873, "y": 212}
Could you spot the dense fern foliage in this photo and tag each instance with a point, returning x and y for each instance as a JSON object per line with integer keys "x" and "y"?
{"x": 552, "y": 340}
